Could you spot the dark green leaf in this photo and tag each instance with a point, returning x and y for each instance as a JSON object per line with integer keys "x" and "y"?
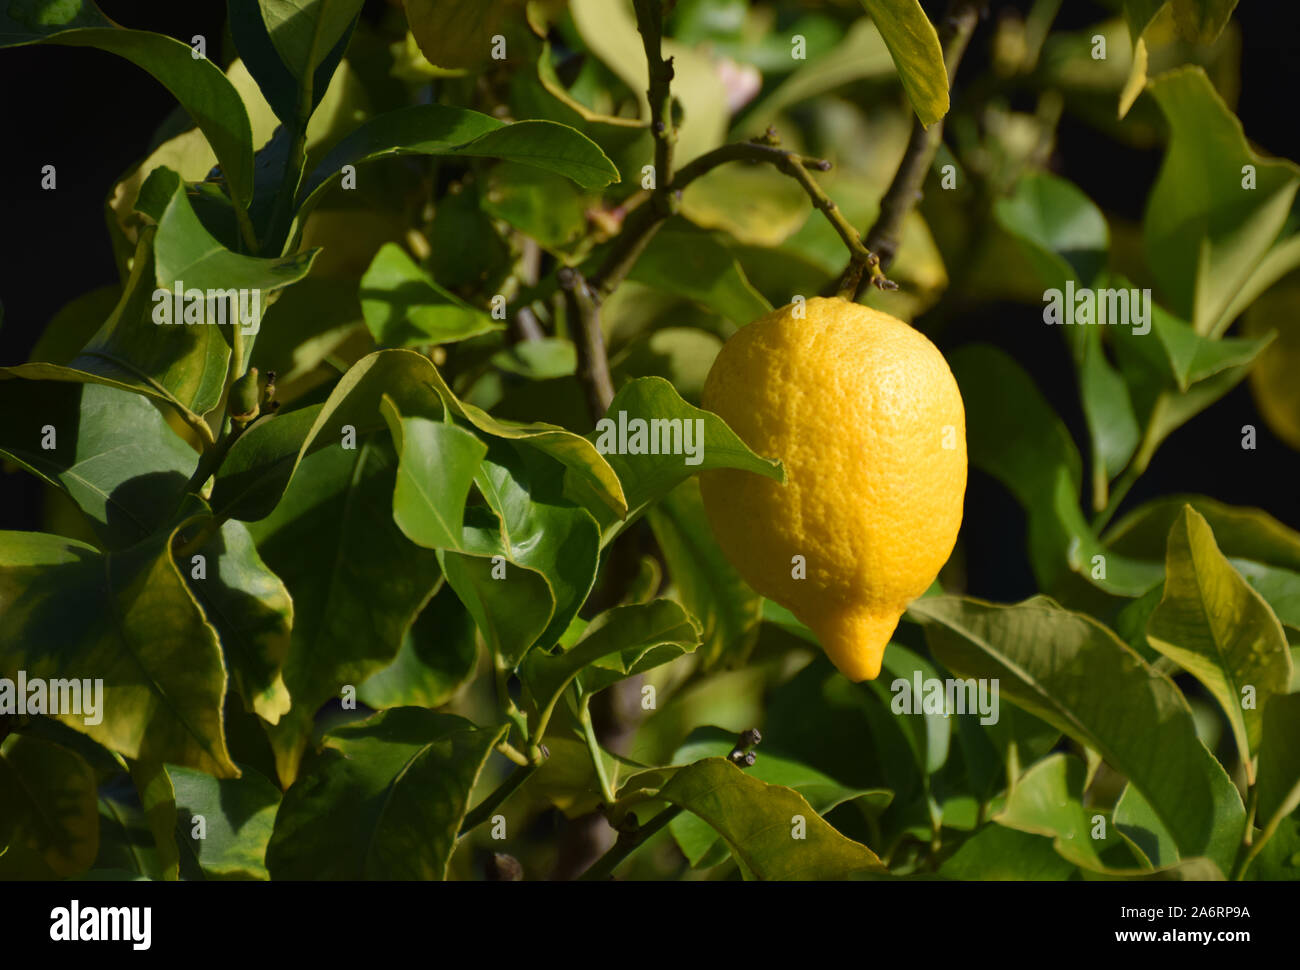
{"x": 1072, "y": 672}
{"x": 404, "y": 307}
{"x": 48, "y": 821}
{"x": 357, "y": 583}
{"x": 129, "y": 620}
{"x": 772, "y": 830}
{"x": 237, "y": 817}
{"x": 439, "y": 655}
{"x": 1221, "y": 631}
{"x": 707, "y": 584}
{"x": 113, "y": 453}
{"x": 385, "y": 799}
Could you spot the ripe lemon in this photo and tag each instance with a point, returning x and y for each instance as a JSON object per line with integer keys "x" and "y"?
{"x": 866, "y": 417}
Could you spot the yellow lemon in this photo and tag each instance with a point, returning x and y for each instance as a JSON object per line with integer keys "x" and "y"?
{"x": 866, "y": 417}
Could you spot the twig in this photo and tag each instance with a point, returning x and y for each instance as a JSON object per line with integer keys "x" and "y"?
{"x": 905, "y": 190}
{"x": 650, "y": 24}
{"x": 631, "y": 840}
{"x": 484, "y": 809}
{"x": 583, "y": 314}
{"x": 628, "y": 842}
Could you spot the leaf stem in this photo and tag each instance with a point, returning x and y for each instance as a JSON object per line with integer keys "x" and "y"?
{"x": 484, "y": 809}
{"x": 593, "y": 747}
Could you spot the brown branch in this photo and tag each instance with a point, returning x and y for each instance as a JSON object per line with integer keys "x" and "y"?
{"x": 905, "y": 190}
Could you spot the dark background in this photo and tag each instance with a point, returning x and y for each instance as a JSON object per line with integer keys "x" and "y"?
{"x": 92, "y": 115}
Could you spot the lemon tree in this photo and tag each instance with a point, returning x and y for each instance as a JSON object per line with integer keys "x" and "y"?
{"x": 649, "y": 440}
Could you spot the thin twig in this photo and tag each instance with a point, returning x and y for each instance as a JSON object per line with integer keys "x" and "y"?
{"x": 905, "y": 190}
{"x": 484, "y": 809}
{"x": 583, "y": 315}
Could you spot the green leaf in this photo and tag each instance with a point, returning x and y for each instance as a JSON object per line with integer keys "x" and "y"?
{"x": 404, "y": 307}
{"x": 551, "y": 548}
{"x": 280, "y": 88}
{"x": 928, "y": 733}
{"x": 439, "y": 655}
{"x": 1108, "y": 408}
{"x": 437, "y": 465}
{"x": 1140, "y": 13}
{"x": 1280, "y": 589}
{"x": 999, "y": 853}
{"x": 543, "y": 205}
{"x": 458, "y": 33}
{"x": 537, "y": 529}
{"x": 647, "y": 476}
{"x": 1201, "y": 21}
{"x": 357, "y": 582}
{"x": 914, "y": 46}
{"x": 1046, "y": 800}
{"x": 1041, "y": 467}
{"x": 127, "y": 847}
{"x": 113, "y": 453}
{"x": 1244, "y": 533}
{"x": 1205, "y": 232}
{"x": 48, "y": 819}
{"x": 253, "y": 613}
{"x": 261, "y": 463}
{"x": 699, "y": 843}
{"x": 1142, "y": 828}
{"x": 1213, "y": 625}
{"x": 1279, "y": 761}
{"x": 185, "y": 252}
{"x": 1076, "y": 675}
{"x": 542, "y": 359}
{"x": 304, "y": 31}
{"x": 1063, "y": 233}
{"x": 756, "y": 205}
{"x": 758, "y": 822}
{"x": 385, "y": 799}
{"x": 707, "y": 584}
{"x": 436, "y": 129}
{"x": 862, "y": 53}
{"x": 626, "y": 634}
{"x": 158, "y": 802}
{"x": 129, "y": 620}
{"x": 693, "y": 264}
{"x": 185, "y": 366}
{"x": 1276, "y": 394}
{"x": 237, "y": 818}
{"x": 196, "y": 82}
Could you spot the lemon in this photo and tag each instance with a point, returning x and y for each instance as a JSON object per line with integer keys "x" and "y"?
{"x": 866, "y": 417}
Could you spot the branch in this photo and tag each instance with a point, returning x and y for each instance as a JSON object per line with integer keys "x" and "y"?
{"x": 905, "y": 190}
{"x": 650, "y": 24}
{"x": 583, "y": 316}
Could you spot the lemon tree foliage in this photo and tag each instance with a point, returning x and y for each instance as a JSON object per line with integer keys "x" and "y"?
{"x": 500, "y": 420}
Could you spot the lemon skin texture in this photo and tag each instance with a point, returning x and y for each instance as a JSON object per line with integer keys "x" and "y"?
{"x": 864, "y": 413}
